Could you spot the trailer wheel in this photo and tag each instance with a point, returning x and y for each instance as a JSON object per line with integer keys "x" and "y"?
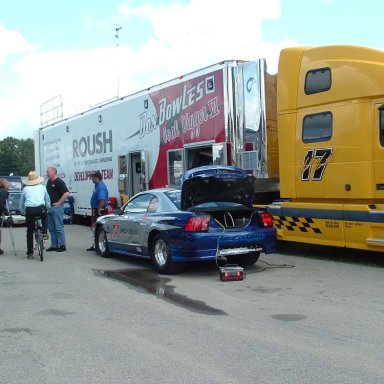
{"x": 101, "y": 243}
{"x": 244, "y": 260}
{"x": 162, "y": 257}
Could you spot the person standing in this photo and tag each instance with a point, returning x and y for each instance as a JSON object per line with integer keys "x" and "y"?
{"x": 35, "y": 202}
{"x": 99, "y": 200}
{"x": 4, "y": 185}
{"x": 58, "y": 193}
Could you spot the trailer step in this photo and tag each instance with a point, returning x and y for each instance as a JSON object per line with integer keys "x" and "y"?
{"x": 375, "y": 241}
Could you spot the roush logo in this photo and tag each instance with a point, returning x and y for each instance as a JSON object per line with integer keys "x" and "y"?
{"x": 93, "y": 145}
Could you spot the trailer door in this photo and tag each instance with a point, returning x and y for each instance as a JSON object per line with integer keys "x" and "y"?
{"x": 144, "y": 177}
{"x": 379, "y": 150}
{"x": 137, "y": 172}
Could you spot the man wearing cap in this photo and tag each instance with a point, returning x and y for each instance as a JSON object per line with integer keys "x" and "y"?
{"x": 34, "y": 202}
{"x": 99, "y": 199}
{"x": 58, "y": 193}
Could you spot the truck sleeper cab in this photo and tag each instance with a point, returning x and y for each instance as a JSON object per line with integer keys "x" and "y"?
{"x": 331, "y": 147}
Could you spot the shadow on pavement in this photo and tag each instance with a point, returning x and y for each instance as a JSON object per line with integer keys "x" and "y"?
{"x": 336, "y": 254}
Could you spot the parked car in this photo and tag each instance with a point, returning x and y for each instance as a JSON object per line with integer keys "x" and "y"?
{"x": 15, "y": 188}
{"x": 211, "y": 216}
{"x": 68, "y": 210}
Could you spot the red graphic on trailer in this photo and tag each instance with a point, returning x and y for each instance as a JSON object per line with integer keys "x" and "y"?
{"x": 188, "y": 112}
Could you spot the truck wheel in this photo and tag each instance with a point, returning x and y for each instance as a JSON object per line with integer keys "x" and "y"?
{"x": 162, "y": 257}
{"x": 244, "y": 260}
{"x": 101, "y": 243}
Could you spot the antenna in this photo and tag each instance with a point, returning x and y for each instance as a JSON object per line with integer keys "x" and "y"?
{"x": 117, "y": 60}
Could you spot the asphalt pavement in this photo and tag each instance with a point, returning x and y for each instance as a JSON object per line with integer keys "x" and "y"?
{"x": 308, "y": 316}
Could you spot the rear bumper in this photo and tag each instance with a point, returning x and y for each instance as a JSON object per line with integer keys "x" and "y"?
{"x": 205, "y": 246}
{"x": 18, "y": 219}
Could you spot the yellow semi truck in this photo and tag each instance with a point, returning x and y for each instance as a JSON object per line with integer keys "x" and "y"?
{"x": 330, "y": 129}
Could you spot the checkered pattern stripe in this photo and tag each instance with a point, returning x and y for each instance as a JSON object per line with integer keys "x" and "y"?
{"x": 302, "y": 224}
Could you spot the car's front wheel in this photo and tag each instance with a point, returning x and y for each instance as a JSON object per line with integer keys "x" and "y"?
{"x": 162, "y": 257}
{"x": 101, "y": 242}
{"x": 244, "y": 260}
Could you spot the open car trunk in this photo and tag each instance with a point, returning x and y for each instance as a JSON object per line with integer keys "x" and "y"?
{"x": 207, "y": 186}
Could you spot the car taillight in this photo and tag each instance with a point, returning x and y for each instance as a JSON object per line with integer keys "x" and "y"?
{"x": 266, "y": 219}
{"x": 197, "y": 224}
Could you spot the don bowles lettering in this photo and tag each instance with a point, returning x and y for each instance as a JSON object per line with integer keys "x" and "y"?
{"x": 183, "y": 113}
{"x": 190, "y": 96}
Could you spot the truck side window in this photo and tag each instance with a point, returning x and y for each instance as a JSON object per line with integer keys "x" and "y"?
{"x": 317, "y": 127}
{"x": 381, "y": 126}
{"x": 318, "y": 80}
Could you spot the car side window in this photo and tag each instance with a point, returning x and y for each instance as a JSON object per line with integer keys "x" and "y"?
{"x": 139, "y": 204}
{"x": 153, "y": 205}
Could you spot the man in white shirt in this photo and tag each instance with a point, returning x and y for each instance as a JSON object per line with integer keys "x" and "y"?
{"x": 34, "y": 202}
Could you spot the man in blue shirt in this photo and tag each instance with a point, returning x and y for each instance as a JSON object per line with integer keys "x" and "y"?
{"x": 99, "y": 199}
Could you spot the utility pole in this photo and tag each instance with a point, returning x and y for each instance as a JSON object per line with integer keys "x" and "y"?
{"x": 117, "y": 35}
{"x": 117, "y": 61}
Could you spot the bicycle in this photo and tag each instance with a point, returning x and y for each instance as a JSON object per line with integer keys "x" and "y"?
{"x": 39, "y": 237}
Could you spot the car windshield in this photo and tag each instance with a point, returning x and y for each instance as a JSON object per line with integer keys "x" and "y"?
{"x": 175, "y": 197}
{"x": 15, "y": 183}
{"x": 13, "y": 200}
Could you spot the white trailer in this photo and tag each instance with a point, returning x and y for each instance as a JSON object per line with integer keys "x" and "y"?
{"x": 216, "y": 115}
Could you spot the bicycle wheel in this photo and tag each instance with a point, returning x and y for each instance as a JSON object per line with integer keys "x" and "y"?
{"x": 40, "y": 243}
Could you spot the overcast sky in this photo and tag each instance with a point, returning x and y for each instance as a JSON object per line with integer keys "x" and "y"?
{"x": 71, "y": 48}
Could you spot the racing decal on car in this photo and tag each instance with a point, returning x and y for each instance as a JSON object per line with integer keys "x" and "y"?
{"x": 115, "y": 231}
{"x": 319, "y": 158}
{"x": 243, "y": 237}
{"x": 302, "y": 224}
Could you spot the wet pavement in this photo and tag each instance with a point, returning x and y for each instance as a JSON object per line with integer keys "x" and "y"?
{"x": 151, "y": 282}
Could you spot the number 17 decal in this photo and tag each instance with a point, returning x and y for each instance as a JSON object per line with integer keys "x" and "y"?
{"x": 319, "y": 159}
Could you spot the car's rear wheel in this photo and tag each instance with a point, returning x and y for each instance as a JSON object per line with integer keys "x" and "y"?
{"x": 244, "y": 260}
{"x": 162, "y": 257}
{"x": 101, "y": 242}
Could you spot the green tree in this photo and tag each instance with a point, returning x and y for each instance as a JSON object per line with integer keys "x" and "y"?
{"x": 16, "y": 156}
{"x": 26, "y": 157}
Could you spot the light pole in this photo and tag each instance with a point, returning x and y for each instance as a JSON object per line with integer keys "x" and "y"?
{"x": 117, "y": 35}
{"x": 117, "y": 61}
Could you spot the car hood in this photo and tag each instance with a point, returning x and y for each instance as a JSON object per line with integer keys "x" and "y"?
{"x": 217, "y": 184}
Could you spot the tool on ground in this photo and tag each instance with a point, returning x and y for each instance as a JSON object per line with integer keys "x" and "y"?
{"x": 229, "y": 272}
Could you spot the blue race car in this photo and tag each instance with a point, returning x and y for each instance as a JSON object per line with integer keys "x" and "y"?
{"x": 211, "y": 217}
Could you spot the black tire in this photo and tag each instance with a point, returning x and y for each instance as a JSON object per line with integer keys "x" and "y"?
{"x": 39, "y": 244}
{"x": 244, "y": 260}
{"x": 162, "y": 257}
{"x": 101, "y": 243}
